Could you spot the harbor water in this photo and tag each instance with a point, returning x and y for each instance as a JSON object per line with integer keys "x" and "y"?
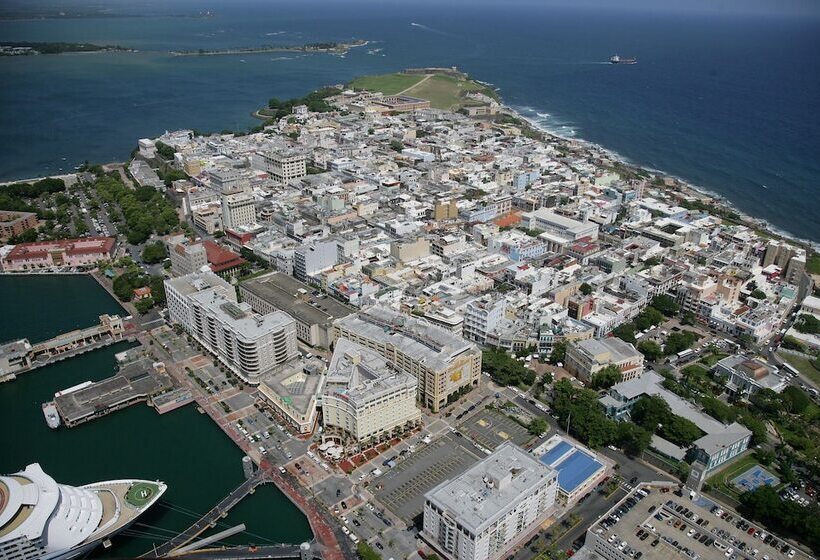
{"x": 183, "y": 448}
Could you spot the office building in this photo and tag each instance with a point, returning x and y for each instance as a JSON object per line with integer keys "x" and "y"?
{"x": 587, "y": 357}
{"x": 238, "y": 210}
{"x": 443, "y": 364}
{"x": 580, "y": 469}
{"x": 560, "y": 231}
{"x": 365, "y": 397}
{"x": 293, "y": 390}
{"x": 41, "y": 255}
{"x": 250, "y": 344}
{"x": 186, "y": 257}
{"x": 13, "y": 223}
{"x": 284, "y": 165}
{"x": 313, "y": 258}
{"x": 491, "y": 507}
{"x": 314, "y": 313}
{"x": 481, "y": 316}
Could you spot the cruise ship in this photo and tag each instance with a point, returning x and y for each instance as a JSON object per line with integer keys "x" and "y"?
{"x": 41, "y": 519}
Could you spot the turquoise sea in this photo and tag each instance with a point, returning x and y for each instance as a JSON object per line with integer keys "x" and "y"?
{"x": 729, "y": 101}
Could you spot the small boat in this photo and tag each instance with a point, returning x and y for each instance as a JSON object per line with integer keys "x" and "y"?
{"x": 618, "y": 60}
{"x": 51, "y": 414}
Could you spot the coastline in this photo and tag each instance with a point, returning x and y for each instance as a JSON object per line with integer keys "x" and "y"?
{"x": 682, "y": 185}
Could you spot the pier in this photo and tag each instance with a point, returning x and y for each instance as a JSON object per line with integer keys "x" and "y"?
{"x": 139, "y": 379}
{"x": 210, "y": 519}
{"x": 20, "y": 356}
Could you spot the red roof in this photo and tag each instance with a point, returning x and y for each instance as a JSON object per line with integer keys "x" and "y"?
{"x": 40, "y": 249}
{"x": 220, "y": 258}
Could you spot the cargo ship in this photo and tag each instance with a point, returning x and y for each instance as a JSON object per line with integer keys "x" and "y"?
{"x": 618, "y": 60}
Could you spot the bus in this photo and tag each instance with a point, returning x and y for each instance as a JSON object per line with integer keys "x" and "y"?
{"x": 791, "y": 369}
{"x": 685, "y": 353}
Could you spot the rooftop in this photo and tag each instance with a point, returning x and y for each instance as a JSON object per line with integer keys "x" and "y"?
{"x": 295, "y": 298}
{"x": 479, "y": 496}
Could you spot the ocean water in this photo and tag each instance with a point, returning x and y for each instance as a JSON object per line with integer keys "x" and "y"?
{"x": 729, "y": 102}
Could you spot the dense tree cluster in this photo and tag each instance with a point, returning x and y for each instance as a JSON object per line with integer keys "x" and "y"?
{"x": 679, "y": 341}
{"x": 154, "y": 252}
{"x": 315, "y": 102}
{"x": 807, "y": 324}
{"x": 18, "y": 196}
{"x": 506, "y": 370}
{"x": 784, "y": 517}
{"x": 665, "y": 304}
{"x": 606, "y": 378}
{"x": 165, "y": 151}
{"x": 145, "y": 210}
{"x": 653, "y": 414}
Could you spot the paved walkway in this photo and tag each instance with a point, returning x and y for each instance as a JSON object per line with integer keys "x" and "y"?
{"x": 424, "y": 79}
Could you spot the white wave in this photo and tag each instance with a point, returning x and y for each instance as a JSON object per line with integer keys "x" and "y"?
{"x": 430, "y": 29}
{"x": 275, "y": 33}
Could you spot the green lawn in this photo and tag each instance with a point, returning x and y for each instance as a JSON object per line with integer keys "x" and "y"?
{"x": 443, "y": 92}
{"x": 721, "y": 480}
{"x": 813, "y": 266}
{"x": 712, "y": 359}
{"x": 802, "y": 365}
{"x": 388, "y": 84}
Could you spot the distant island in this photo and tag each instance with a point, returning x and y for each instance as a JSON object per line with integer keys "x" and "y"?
{"x": 332, "y": 47}
{"x": 18, "y": 48}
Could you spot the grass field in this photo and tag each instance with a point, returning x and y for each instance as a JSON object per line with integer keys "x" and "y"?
{"x": 443, "y": 92}
{"x": 802, "y": 365}
{"x": 388, "y": 84}
{"x": 813, "y": 266}
{"x": 722, "y": 480}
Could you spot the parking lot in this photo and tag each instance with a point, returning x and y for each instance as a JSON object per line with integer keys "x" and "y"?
{"x": 402, "y": 488}
{"x": 490, "y": 428}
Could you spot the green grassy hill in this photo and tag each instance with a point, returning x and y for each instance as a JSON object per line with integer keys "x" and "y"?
{"x": 443, "y": 92}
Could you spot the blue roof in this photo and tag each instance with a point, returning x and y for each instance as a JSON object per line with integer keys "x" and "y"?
{"x": 554, "y": 454}
{"x": 575, "y": 470}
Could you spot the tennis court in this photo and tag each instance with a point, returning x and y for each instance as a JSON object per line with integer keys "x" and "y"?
{"x": 754, "y": 478}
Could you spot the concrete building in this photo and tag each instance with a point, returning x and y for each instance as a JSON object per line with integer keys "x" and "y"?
{"x": 410, "y": 250}
{"x": 560, "y": 231}
{"x": 41, "y": 255}
{"x": 314, "y": 314}
{"x": 293, "y": 390}
{"x": 284, "y": 165}
{"x": 587, "y": 357}
{"x": 443, "y": 364}
{"x": 13, "y": 223}
{"x": 580, "y": 469}
{"x": 186, "y": 257}
{"x": 313, "y": 258}
{"x": 481, "y": 316}
{"x": 745, "y": 376}
{"x": 495, "y": 504}
{"x": 402, "y": 103}
{"x": 238, "y": 210}
{"x": 720, "y": 443}
{"x": 365, "y": 397}
{"x": 250, "y": 344}
{"x": 227, "y": 181}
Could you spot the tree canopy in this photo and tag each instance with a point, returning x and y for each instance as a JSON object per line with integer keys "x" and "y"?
{"x": 784, "y": 517}
{"x": 506, "y": 370}
{"x": 665, "y": 304}
{"x": 807, "y": 324}
{"x": 606, "y": 378}
{"x": 154, "y": 252}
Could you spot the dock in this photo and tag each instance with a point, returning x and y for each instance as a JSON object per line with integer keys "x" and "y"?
{"x": 20, "y": 356}
{"x": 139, "y": 379}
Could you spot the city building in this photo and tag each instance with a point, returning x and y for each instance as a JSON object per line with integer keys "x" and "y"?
{"x": 227, "y": 181}
{"x": 586, "y": 357}
{"x": 313, "y": 258}
{"x": 720, "y": 443}
{"x": 482, "y": 316}
{"x": 41, "y": 518}
{"x": 365, "y": 397}
{"x": 401, "y": 103}
{"x": 186, "y": 257}
{"x": 284, "y": 165}
{"x": 580, "y": 469}
{"x": 238, "y": 210}
{"x": 42, "y": 255}
{"x": 14, "y": 223}
{"x": 484, "y": 512}
{"x": 443, "y": 364}
{"x": 222, "y": 261}
{"x": 560, "y": 231}
{"x": 745, "y": 376}
{"x": 313, "y": 312}
{"x": 293, "y": 390}
{"x": 250, "y": 344}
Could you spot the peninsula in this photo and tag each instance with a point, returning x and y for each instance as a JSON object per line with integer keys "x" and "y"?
{"x": 329, "y": 47}
{"x": 18, "y": 48}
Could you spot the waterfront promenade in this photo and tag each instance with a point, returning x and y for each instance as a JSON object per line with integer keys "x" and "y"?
{"x": 333, "y": 545}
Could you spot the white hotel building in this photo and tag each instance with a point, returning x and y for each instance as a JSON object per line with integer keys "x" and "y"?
{"x": 490, "y": 508}
{"x": 365, "y": 396}
{"x": 251, "y": 345}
